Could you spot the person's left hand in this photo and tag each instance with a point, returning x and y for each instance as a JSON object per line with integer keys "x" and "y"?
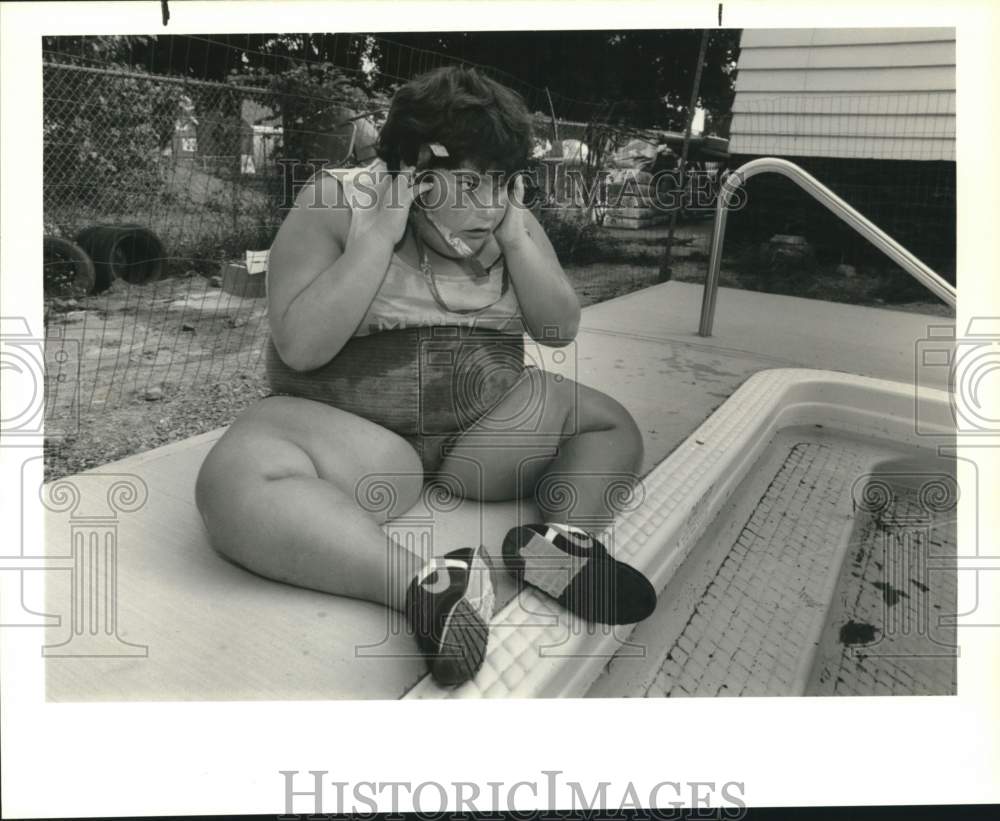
{"x": 512, "y": 227}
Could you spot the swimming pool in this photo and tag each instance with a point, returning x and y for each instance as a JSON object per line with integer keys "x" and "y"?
{"x": 767, "y": 496}
{"x": 826, "y": 572}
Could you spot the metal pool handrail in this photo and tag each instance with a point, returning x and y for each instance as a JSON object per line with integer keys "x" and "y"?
{"x": 907, "y": 261}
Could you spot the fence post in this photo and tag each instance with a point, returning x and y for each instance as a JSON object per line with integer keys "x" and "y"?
{"x": 665, "y": 272}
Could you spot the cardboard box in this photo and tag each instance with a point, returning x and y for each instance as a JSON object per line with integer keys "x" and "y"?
{"x": 238, "y": 281}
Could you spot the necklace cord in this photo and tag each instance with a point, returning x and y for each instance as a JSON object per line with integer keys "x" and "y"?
{"x": 470, "y": 265}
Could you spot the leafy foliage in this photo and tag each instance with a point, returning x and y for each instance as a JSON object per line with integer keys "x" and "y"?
{"x": 313, "y": 101}
{"x": 573, "y": 234}
{"x": 103, "y": 135}
{"x": 644, "y": 74}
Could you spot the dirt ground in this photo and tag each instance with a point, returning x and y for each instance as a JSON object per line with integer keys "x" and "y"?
{"x": 158, "y": 363}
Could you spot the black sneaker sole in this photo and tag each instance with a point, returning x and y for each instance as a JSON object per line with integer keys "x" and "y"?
{"x": 463, "y": 646}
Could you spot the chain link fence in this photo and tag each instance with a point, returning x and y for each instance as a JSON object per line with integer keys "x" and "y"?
{"x": 168, "y": 182}
{"x": 203, "y": 165}
{"x": 168, "y": 169}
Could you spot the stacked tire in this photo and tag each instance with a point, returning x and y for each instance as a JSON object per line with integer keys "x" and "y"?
{"x": 68, "y": 271}
{"x": 128, "y": 252}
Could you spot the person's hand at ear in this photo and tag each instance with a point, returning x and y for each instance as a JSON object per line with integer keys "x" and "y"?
{"x": 512, "y": 228}
{"x": 382, "y": 202}
{"x": 545, "y": 295}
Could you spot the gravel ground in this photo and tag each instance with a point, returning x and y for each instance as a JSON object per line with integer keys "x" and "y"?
{"x": 136, "y": 428}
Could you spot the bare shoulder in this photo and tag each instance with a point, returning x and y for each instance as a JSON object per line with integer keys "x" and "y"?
{"x": 321, "y": 203}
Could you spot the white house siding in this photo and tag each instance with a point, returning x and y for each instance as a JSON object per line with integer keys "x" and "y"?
{"x": 849, "y": 93}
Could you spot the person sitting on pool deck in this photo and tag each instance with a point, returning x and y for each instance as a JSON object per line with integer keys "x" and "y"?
{"x": 365, "y": 272}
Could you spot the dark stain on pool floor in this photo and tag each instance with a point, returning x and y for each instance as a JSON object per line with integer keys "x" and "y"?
{"x": 857, "y": 632}
{"x": 890, "y": 593}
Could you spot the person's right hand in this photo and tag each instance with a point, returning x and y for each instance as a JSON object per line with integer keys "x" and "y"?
{"x": 381, "y": 203}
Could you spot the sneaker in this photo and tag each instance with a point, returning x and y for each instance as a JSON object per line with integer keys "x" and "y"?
{"x": 450, "y": 604}
{"x": 577, "y": 571}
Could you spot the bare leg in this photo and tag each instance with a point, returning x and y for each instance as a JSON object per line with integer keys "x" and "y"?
{"x": 293, "y": 514}
{"x": 578, "y": 456}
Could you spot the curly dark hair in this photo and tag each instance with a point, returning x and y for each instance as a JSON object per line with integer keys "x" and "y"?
{"x": 482, "y": 124}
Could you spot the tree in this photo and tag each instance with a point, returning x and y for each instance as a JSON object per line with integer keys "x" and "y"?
{"x": 313, "y": 100}
{"x": 648, "y": 73}
{"x": 640, "y": 78}
{"x": 211, "y": 56}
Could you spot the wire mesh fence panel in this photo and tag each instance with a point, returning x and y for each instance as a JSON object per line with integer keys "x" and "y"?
{"x": 889, "y": 155}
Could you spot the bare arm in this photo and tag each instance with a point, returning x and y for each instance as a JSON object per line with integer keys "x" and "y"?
{"x": 550, "y": 306}
{"x": 326, "y": 264}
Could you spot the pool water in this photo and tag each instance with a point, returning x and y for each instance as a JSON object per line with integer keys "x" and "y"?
{"x": 829, "y": 571}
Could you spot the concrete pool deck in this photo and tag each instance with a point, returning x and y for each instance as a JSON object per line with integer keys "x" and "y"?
{"x": 214, "y": 631}
{"x": 643, "y": 348}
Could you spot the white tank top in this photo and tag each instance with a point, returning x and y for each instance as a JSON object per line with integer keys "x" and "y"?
{"x": 405, "y": 300}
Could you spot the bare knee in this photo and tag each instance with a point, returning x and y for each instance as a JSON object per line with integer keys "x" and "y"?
{"x": 601, "y": 412}
{"x": 238, "y": 458}
{"x": 629, "y": 440}
{"x": 210, "y": 482}
{"x": 394, "y": 451}
{"x": 217, "y": 489}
